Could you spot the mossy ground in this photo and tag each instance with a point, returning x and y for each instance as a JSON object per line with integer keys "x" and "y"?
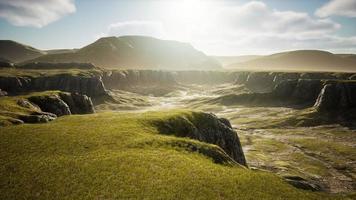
{"x": 122, "y": 156}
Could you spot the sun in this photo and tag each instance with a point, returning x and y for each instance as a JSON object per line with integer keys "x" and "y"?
{"x": 187, "y": 11}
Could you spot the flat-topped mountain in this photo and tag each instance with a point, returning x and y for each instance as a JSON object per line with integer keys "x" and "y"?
{"x": 313, "y": 60}
{"x": 17, "y": 52}
{"x": 137, "y": 52}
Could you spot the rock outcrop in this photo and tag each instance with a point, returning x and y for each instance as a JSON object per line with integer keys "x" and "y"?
{"x": 77, "y": 103}
{"x": 46, "y": 65}
{"x": 267, "y": 81}
{"x": 89, "y": 85}
{"x": 337, "y": 96}
{"x": 52, "y": 104}
{"x": 204, "y": 77}
{"x": 206, "y": 128}
{"x": 301, "y": 93}
{"x": 63, "y": 103}
{"x": 122, "y": 79}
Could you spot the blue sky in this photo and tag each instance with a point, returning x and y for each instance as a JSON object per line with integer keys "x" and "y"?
{"x": 223, "y": 27}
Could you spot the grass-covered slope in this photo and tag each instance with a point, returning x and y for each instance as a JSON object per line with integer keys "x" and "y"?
{"x": 300, "y": 60}
{"x": 137, "y": 52}
{"x": 14, "y": 108}
{"x": 17, "y": 52}
{"x": 122, "y": 156}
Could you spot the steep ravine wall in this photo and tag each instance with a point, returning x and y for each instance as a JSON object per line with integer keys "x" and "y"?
{"x": 88, "y": 85}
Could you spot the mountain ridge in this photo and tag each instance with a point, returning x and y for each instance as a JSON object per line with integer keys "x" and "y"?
{"x": 136, "y": 52}
{"x": 315, "y": 60}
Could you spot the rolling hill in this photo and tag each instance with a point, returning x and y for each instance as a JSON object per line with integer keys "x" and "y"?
{"x": 17, "y": 52}
{"x": 137, "y": 52}
{"x": 306, "y": 60}
{"x": 228, "y": 60}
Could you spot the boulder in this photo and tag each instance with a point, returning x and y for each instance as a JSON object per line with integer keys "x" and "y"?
{"x": 38, "y": 118}
{"x": 301, "y": 183}
{"x": 3, "y": 93}
{"x": 51, "y": 104}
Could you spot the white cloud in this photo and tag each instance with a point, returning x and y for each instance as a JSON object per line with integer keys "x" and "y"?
{"x": 250, "y": 28}
{"x": 35, "y": 13}
{"x": 257, "y": 17}
{"x": 147, "y": 28}
{"x": 345, "y": 8}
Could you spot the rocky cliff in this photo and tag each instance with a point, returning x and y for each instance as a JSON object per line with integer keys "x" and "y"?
{"x": 204, "y": 77}
{"x": 41, "y": 107}
{"x": 122, "y": 79}
{"x": 64, "y": 103}
{"x": 90, "y": 85}
{"x": 337, "y": 96}
{"x": 267, "y": 81}
{"x": 207, "y": 128}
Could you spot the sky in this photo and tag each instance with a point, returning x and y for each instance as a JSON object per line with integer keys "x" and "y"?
{"x": 216, "y": 27}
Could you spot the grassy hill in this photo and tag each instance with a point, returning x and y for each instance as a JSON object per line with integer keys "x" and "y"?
{"x": 137, "y": 52}
{"x": 226, "y": 61}
{"x": 17, "y": 52}
{"x": 308, "y": 60}
{"x": 124, "y": 156}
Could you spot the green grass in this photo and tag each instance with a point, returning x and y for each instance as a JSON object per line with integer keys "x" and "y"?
{"x": 123, "y": 156}
{"x": 10, "y": 110}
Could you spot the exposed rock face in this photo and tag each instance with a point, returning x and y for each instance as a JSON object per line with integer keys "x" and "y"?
{"x": 121, "y": 79}
{"x": 206, "y": 128}
{"x": 337, "y": 96}
{"x": 78, "y": 104}
{"x": 307, "y": 91}
{"x": 260, "y": 81}
{"x": 91, "y": 86}
{"x": 204, "y": 77}
{"x": 302, "y": 91}
{"x": 266, "y": 81}
{"x": 241, "y": 77}
{"x": 4, "y": 64}
{"x": 287, "y": 93}
{"x": 38, "y": 118}
{"x": 2, "y": 93}
{"x": 64, "y": 103}
{"x": 52, "y": 104}
{"x": 301, "y": 183}
{"x": 46, "y": 65}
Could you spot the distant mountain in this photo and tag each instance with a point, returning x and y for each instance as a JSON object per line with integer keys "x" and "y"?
{"x": 17, "y": 52}
{"x": 137, "y": 52}
{"x": 228, "y": 60}
{"x": 309, "y": 60}
{"x": 56, "y": 51}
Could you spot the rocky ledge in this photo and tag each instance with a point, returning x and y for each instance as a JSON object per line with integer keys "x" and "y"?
{"x": 207, "y": 128}
{"x": 64, "y": 103}
{"x": 45, "y": 107}
{"x": 89, "y": 85}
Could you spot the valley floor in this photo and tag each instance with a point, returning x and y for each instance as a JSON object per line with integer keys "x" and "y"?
{"x": 324, "y": 155}
{"x": 119, "y": 153}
